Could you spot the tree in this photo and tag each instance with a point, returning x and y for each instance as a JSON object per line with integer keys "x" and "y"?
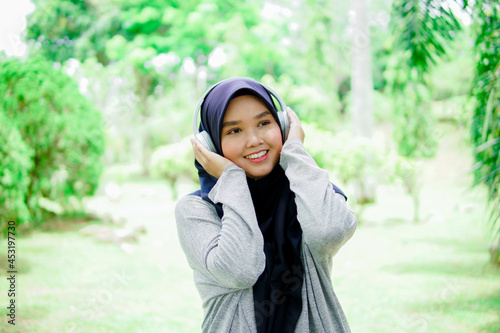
{"x": 63, "y": 133}
{"x": 16, "y": 162}
{"x": 362, "y": 80}
{"x": 55, "y": 27}
{"x": 362, "y": 92}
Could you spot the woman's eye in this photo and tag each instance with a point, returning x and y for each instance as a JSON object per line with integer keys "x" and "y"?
{"x": 234, "y": 131}
{"x": 264, "y": 123}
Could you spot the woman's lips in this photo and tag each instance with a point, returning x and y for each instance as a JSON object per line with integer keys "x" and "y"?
{"x": 258, "y": 156}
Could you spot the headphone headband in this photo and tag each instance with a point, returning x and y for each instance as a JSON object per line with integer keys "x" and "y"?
{"x": 197, "y": 111}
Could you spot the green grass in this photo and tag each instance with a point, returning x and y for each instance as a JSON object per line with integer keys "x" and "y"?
{"x": 419, "y": 278}
{"x": 392, "y": 276}
{"x": 71, "y": 283}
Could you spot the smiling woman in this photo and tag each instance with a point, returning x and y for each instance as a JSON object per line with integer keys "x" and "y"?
{"x": 262, "y": 230}
{"x": 251, "y": 137}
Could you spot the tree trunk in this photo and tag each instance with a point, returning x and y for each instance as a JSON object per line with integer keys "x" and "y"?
{"x": 143, "y": 85}
{"x": 362, "y": 90}
{"x": 146, "y": 137}
{"x": 362, "y": 81}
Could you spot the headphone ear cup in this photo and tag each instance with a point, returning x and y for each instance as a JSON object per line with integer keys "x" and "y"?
{"x": 284, "y": 123}
{"x": 205, "y": 140}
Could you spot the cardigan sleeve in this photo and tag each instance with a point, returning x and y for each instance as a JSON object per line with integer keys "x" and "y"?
{"x": 228, "y": 250}
{"x": 327, "y": 222}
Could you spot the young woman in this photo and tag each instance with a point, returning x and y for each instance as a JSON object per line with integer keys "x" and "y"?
{"x": 261, "y": 233}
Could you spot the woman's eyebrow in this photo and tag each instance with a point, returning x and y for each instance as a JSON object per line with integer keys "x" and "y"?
{"x": 263, "y": 114}
{"x": 231, "y": 123}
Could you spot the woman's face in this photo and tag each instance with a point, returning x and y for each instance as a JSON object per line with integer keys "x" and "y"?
{"x": 250, "y": 136}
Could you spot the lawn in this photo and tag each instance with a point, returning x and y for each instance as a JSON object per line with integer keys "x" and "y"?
{"x": 392, "y": 276}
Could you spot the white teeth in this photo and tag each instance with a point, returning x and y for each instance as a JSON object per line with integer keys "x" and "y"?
{"x": 258, "y": 155}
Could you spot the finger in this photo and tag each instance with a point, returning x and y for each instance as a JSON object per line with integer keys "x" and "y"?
{"x": 198, "y": 147}
{"x": 291, "y": 114}
{"x": 203, "y": 154}
{"x": 198, "y": 155}
{"x": 195, "y": 147}
{"x": 294, "y": 119}
{"x": 296, "y": 129}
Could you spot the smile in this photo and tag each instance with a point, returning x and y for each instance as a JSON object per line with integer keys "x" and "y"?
{"x": 257, "y": 157}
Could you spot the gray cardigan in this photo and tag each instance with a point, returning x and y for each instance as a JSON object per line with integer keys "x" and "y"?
{"x": 227, "y": 254}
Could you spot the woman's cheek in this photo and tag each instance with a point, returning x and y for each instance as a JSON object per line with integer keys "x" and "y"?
{"x": 231, "y": 149}
{"x": 277, "y": 138}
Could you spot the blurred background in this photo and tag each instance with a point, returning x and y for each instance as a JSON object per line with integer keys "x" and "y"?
{"x": 399, "y": 100}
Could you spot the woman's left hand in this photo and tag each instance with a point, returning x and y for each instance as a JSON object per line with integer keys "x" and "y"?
{"x": 213, "y": 163}
{"x": 296, "y": 130}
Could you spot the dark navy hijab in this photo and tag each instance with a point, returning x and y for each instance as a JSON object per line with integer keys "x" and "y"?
{"x": 278, "y": 291}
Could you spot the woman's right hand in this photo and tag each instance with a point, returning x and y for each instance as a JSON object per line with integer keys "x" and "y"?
{"x": 296, "y": 130}
{"x": 213, "y": 163}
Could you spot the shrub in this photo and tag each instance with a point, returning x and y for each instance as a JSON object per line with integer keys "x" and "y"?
{"x": 173, "y": 161}
{"x": 15, "y": 165}
{"x": 342, "y": 153}
{"x": 62, "y": 128}
{"x": 353, "y": 161}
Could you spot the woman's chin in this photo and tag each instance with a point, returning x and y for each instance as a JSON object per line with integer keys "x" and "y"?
{"x": 257, "y": 172}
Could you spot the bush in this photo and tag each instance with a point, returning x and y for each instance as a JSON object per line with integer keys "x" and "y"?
{"x": 61, "y": 127}
{"x": 15, "y": 165}
{"x": 173, "y": 161}
{"x": 353, "y": 161}
{"x": 342, "y": 153}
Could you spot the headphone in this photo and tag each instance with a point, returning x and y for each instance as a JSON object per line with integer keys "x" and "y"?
{"x": 204, "y": 138}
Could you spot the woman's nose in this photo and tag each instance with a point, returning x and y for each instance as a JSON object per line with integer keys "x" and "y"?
{"x": 253, "y": 138}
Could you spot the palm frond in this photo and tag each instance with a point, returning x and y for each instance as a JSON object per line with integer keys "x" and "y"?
{"x": 424, "y": 28}
{"x": 485, "y": 127}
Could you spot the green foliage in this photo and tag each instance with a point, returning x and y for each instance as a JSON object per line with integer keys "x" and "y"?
{"x": 344, "y": 155}
{"x": 240, "y": 43}
{"x": 201, "y": 26}
{"x": 414, "y": 122}
{"x": 174, "y": 110}
{"x": 413, "y": 118}
{"x": 422, "y": 29}
{"x": 383, "y": 106}
{"x": 174, "y": 161}
{"x": 110, "y": 30}
{"x": 60, "y": 126}
{"x": 485, "y": 126}
{"x": 56, "y": 26}
{"x": 413, "y": 132}
{"x": 453, "y": 72}
{"x": 136, "y": 33}
{"x": 319, "y": 44}
{"x": 15, "y": 165}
